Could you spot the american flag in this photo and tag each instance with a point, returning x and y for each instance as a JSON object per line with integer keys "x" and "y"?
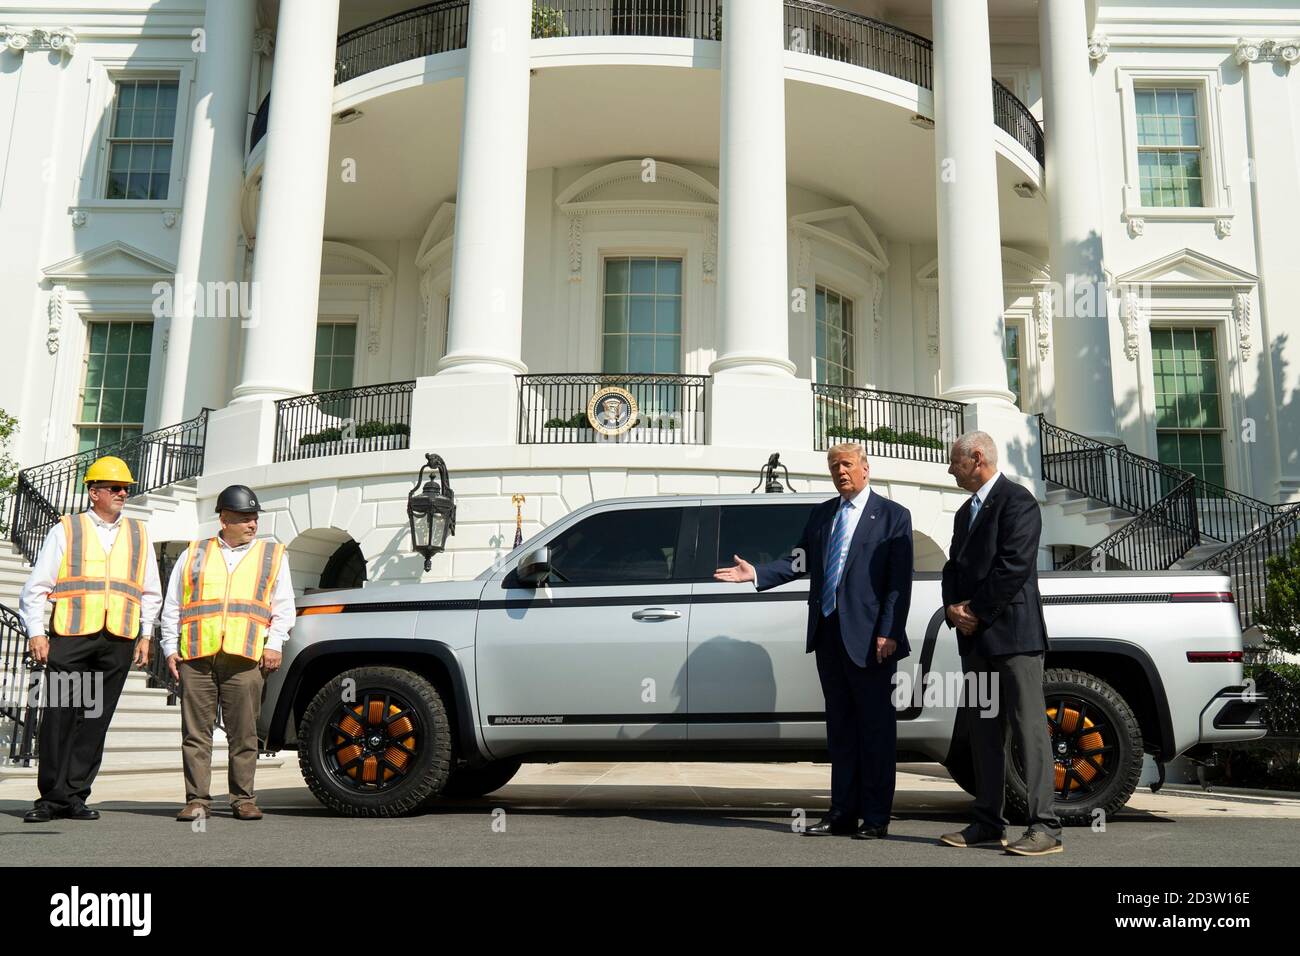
{"x": 519, "y": 535}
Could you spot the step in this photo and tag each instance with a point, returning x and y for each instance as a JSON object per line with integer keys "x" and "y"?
{"x": 1058, "y": 495}
{"x": 1081, "y": 504}
{"x": 143, "y": 763}
{"x": 1107, "y": 515}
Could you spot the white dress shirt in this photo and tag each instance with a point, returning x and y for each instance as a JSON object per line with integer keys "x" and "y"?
{"x": 34, "y": 599}
{"x": 282, "y": 600}
{"x": 983, "y": 494}
{"x": 852, "y": 515}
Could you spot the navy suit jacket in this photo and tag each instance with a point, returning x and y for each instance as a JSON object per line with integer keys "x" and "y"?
{"x": 875, "y": 589}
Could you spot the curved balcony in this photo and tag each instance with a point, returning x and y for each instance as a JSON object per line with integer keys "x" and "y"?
{"x": 813, "y": 28}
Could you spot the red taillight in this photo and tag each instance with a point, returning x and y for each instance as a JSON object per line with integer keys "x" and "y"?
{"x": 1201, "y": 597}
{"x": 1214, "y": 657}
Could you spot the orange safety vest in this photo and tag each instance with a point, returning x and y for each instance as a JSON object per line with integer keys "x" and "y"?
{"x": 227, "y": 611}
{"x": 97, "y": 591}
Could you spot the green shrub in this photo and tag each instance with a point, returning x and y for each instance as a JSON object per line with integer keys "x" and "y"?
{"x": 576, "y": 420}
{"x": 371, "y": 429}
{"x": 548, "y": 22}
{"x": 882, "y": 433}
{"x": 1280, "y": 617}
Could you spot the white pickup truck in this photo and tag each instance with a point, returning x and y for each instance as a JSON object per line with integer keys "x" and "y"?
{"x": 605, "y": 637}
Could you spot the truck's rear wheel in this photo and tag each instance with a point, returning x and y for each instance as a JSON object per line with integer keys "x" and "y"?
{"x": 480, "y": 781}
{"x": 1096, "y": 744}
{"x": 375, "y": 742}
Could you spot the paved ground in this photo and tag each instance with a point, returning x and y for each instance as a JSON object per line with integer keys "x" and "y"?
{"x": 628, "y": 813}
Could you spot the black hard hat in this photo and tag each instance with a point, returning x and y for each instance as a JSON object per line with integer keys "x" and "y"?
{"x": 237, "y": 498}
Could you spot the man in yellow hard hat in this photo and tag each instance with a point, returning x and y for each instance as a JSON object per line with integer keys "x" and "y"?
{"x": 101, "y": 573}
{"x": 228, "y": 612}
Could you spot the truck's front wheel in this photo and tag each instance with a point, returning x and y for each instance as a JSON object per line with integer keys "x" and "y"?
{"x": 1096, "y": 745}
{"x": 375, "y": 742}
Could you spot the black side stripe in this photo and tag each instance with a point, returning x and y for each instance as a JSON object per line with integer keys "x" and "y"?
{"x": 623, "y": 600}
{"x": 570, "y": 720}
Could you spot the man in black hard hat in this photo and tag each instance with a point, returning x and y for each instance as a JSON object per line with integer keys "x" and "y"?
{"x": 228, "y": 611}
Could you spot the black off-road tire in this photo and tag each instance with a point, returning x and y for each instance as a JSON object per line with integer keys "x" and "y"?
{"x": 466, "y": 782}
{"x": 1113, "y": 784}
{"x": 427, "y": 768}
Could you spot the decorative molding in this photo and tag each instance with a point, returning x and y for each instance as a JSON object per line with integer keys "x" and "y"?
{"x": 1223, "y": 228}
{"x": 1132, "y": 311}
{"x": 803, "y": 273}
{"x": 932, "y": 323}
{"x": 1242, "y": 314}
{"x": 426, "y": 300}
{"x": 57, "y": 40}
{"x": 1275, "y": 51}
{"x": 1043, "y": 320}
{"x": 710, "y": 258}
{"x": 54, "y": 311}
{"x": 1098, "y": 47}
{"x": 79, "y": 218}
{"x": 166, "y": 339}
{"x": 169, "y": 218}
{"x": 264, "y": 42}
{"x": 1136, "y": 226}
{"x": 877, "y": 293}
{"x": 376, "y": 303}
{"x": 575, "y": 247}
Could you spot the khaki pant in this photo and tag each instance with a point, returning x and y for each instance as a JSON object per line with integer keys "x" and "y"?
{"x": 235, "y": 682}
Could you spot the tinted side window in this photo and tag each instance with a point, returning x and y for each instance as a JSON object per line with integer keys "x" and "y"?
{"x": 760, "y": 533}
{"x": 618, "y": 547}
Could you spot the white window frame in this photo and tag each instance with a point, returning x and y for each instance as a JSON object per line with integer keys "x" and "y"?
{"x": 1014, "y": 317}
{"x": 855, "y": 326}
{"x": 335, "y": 313}
{"x": 103, "y": 78}
{"x": 1215, "y": 189}
{"x": 1231, "y": 409}
{"x": 603, "y": 256}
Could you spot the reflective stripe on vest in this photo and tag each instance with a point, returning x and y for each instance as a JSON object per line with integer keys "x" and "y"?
{"x": 225, "y": 610}
{"x": 95, "y": 591}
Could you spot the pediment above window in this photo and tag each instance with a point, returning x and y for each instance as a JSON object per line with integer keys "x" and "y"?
{"x": 845, "y": 227}
{"x": 114, "y": 261}
{"x": 633, "y": 186}
{"x": 1188, "y": 269}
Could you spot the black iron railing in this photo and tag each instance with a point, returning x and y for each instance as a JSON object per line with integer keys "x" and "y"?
{"x": 344, "y": 421}
{"x": 1152, "y": 541}
{"x": 424, "y": 31}
{"x": 1227, "y": 515}
{"x": 814, "y": 28}
{"x": 670, "y": 408}
{"x": 260, "y": 119}
{"x": 1246, "y": 560}
{"x": 887, "y": 424}
{"x": 47, "y": 492}
{"x": 21, "y": 689}
{"x": 1111, "y": 474}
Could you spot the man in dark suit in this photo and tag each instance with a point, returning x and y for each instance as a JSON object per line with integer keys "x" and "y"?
{"x": 990, "y": 593}
{"x": 857, "y": 552}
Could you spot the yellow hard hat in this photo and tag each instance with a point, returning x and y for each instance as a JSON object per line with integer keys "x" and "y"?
{"x": 109, "y": 468}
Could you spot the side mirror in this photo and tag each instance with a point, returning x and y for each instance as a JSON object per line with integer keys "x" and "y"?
{"x": 535, "y": 567}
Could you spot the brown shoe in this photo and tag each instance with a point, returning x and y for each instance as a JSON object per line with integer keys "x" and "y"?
{"x": 246, "y": 810}
{"x": 194, "y": 810}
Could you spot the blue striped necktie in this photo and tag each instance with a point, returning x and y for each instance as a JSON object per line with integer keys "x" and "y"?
{"x": 835, "y": 558}
{"x": 974, "y": 510}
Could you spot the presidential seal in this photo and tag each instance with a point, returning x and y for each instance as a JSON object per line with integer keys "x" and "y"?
{"x": 612, "y": 411}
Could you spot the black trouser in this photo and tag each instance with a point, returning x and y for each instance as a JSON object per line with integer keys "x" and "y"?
{"x": 71, "y": 736}
{"x": 1022, "y": 717}
{"x": 861, "y": 728}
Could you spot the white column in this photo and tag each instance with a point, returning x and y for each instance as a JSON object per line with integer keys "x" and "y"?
{"x": 1085, "y": 395}
{"x": 971, "y": 366}
{"x": 753, "y": 295}
{"x": 485, "y": 327}
{"x": 195, "y": 364}
{"x": 280, "y": 341}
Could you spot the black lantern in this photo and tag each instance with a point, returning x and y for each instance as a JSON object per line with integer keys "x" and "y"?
{"x": 431, "y": 509}
{"x": 768, "y": 474}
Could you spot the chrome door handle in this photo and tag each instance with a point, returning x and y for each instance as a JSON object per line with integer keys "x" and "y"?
{"x": 655, "y": 614}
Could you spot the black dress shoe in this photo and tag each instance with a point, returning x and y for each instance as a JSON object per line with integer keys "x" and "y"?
{"x": 869, "y": 832}
{"x": 832, "y": 825}
{"x": 38, "y": 815}
{"x": 82, "y": 812}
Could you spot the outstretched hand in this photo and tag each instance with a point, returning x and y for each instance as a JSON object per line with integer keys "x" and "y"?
{"x": 741, "y": 571}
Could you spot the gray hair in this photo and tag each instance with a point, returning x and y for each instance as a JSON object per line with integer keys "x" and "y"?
{"x": 847, "y": 446}
{"x": 977, "y": 441}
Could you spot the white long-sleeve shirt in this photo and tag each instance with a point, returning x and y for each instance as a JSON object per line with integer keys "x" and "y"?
{"x": 852, "y": 515}
{"x": 34, "y": 599}
{"x": 283, "y": 609}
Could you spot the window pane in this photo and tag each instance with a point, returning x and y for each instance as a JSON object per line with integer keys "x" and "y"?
{"x": 341, "y": 376}
{"x": 615, "y": 358}
{"x": 670, "y": 276}
{"x": 760, "y": 533}
{"x": 616, "y": 313}
{"x": 133, "y": 406}
{"x": 643, "y": 275}
{"x": 110, "y": 409}
{"x": 320, "y": 374}
{"x": 641, "y": 312}
{"x": 616, "y": 547}
{"x": 667, "y": 351}
{"x": 616, "y": 275}
{"x": 345, "y": 339}
{"x": 640, "y": 353}
{"x": 137, "y": 374}
{"x": 325, "y": 338}
{"x": 115, "y": 371}
{"x": 119, "y": 338}
{"x": 668, "y": 315}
